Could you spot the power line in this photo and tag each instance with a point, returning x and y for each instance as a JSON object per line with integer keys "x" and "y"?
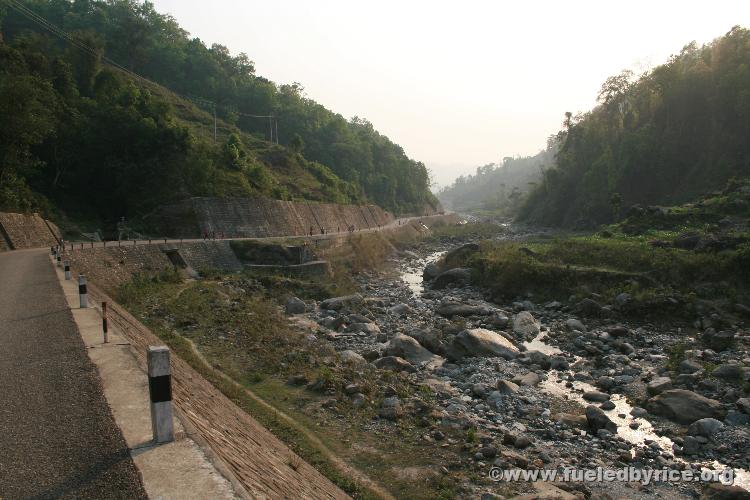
{"x": 34, "y": 17}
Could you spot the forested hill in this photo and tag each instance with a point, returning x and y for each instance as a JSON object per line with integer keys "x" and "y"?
{"x": 499, "y": 189}
{"x": 679, "y": 131}
{"x": 79, "y": 133}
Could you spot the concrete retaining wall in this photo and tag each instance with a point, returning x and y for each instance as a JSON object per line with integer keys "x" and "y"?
{"x": 113, "y": 265}
{"x": 26, "y": 231}
{"x": 261, "y": 217}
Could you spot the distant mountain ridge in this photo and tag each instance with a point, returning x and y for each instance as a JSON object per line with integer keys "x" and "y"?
{"x": 666, "y": 137}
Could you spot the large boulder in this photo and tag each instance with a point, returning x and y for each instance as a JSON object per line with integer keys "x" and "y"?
{"x": 539, "y": 358}
{"x": 659, "y": 385}
{"x": 597, "y": 419}
{"x": 431, "y": 271}
{"x": 460, "y": 275}
{"x": 685, "y": 407}
{"x": 352, "y": 357}
{"x": 337, "y": 303}
{"x": 705, "y": 427}
{"x": 460, "y": 254}
{"x": 450, "y": 309}
{"x": 432, "y": 340}
{"x": 589, "y": 307}
{"x": 575, "y": 324}
{"x": 729, "y": 371}
{"x": 370, "y": 328}
{"x": 481, "y": 343}
{"x": 408, "y": 348}
{"x": 525, "y": 325}
{"x": 294, "y": 305}
{"x": 718, "y": 341}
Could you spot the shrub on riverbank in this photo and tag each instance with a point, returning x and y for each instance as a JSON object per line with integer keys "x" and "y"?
{"x": 607, "y": 266}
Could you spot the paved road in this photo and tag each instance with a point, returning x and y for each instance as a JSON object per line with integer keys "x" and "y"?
{"x": 57, "y": 435}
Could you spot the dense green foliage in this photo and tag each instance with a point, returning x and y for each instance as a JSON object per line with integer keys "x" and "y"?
{"x": 666, "y": 137}
{"x": 498, "y": 189}
{"x": 88, "y": 137}
{"x": 668, "y": 259}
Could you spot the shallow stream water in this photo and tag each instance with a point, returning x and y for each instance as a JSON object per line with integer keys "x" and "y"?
{"x": 555, "y": 385}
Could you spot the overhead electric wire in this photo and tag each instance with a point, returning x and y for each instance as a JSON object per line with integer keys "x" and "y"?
{"x": 34, "y": 17}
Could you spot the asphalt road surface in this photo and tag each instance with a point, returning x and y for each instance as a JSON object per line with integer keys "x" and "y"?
{"x": 58, "y": 438}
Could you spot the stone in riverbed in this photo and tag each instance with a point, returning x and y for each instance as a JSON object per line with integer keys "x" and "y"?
{"x": 525, "y": 325}
{"x": 597, "y": 419}
{"x": 351, "y": 357}
{"x": 431, "y": 271}
{"x": 528, "y": 380}
{"x": 717, "y": 340}
{"x": 479, "y": 342}
{"x": 718, "y": 491}
{"x": 589, "y": 307}
{"x": 595, "y": 396}
{"x": 659, "y": 385}
{"x": 400, "y": 310}
{"x": 408, "y": 348}
{"x": 394, "y": 363}
{"x": 558, "y": 363}
{"x": 729, "y": 371}
{"x": 705, "y": 427}
{"x": 575, "y": 324}
{"x": 460, "y": 275}
{"x": 574, "y": 421}
{"x": 685, "y": 407}
{"x": 539, "y": 358}
{"x": 607, "y": 405}
{"x": 369, "y": 328}
{"x": 451, "y": 309}
{"x": 337, "y": 303}
{"x": 506, "y": 387}
{"x": 391, "y": 408}
{"x": 294, "y": 305}
{"x": 689, "y": 366}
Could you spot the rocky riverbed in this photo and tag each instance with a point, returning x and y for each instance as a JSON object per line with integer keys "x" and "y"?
{"x": 550, "y": 385}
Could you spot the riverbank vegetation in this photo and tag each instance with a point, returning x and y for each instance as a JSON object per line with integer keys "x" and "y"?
{"x": 665, "y": 260}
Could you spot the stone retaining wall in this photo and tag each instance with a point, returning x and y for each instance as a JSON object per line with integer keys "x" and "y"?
{"x": 261, "y": 217}
{"x": 27, "y": 231}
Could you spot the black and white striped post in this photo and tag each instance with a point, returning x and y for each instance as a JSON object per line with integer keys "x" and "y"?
{"x": 160, "y": 391}
{"x": 83, "y": 295}
{"x": 66, "y": 267}
{"x": 105, "y": 323}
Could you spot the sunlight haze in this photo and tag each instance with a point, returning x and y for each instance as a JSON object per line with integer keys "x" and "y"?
{"x": 455, "y": 84}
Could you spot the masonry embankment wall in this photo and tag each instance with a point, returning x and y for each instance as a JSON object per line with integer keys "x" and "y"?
{"x": 115, "y": 265}
{"x": 261, "y": 217}
{"x": 26, "y": 231}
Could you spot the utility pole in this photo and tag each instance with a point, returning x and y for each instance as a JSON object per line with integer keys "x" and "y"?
{"x": 276, "y": 122}
{"x": 214, "y": 123}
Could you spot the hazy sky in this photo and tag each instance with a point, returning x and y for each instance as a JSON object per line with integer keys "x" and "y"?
{"x": 460, "y": 83}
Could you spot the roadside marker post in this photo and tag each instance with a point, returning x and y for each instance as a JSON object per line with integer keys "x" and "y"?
{"x": 160, "y": 392}
{"x": 105, "y": 323}
{"x": 59, "y": 260}
{"x": 66, "y": 267}
{"x": 84, "y": 297}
